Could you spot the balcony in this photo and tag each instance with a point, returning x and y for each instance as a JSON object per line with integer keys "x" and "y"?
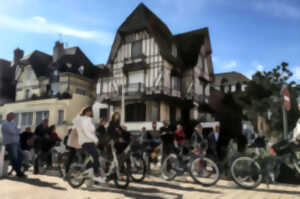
{"x": 135, "y": 63}
{"x": 200, "y": 99}
{"x": 138, "y": 90}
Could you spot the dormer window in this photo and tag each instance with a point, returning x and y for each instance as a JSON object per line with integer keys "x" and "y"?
{"x": 174, "y": 50}
{"x": 81, "y": 70}
{"x": 200, "y": 63}
{"x": 136, "y": 48}
{"x": 69, "y": 65}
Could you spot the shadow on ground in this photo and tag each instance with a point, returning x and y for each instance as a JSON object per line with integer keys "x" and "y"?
{"x": 137, "y": 192}
{"x": 264, "y": 190}
{"x": 37, "y": 182}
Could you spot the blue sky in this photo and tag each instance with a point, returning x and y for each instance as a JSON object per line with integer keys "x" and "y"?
{"x": 246, "y": 35}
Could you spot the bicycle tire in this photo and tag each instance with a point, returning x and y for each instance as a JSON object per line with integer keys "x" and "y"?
{"x": 125, "y": 172}
{"x": 75, "y": 168}
{"x": 143, "y": 170}
{"x": 208, "y": 163}
{"x": 240, "y": 182}
{"x": 296, "y": 162}
{"x": 164, "y": 169}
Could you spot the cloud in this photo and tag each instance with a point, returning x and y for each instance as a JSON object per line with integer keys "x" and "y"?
{"x": 296, "y": 73}
{"x": 260, "y": 68}
{"x": 278, "y": 8}
{"x": 250, "y": 73}
{"x": 40, "y": 25}
{"x": 229, "y": 65}
{"x": 39, "y": 19}
{"x": 224, "y": 65}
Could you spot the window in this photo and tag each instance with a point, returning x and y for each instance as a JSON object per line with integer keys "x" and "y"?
{"x": 238, "y": 87}
{"x": 27, "y": 94}
{"x": 26, "y": 119}
{"x": 81, "y": 91}
{"x": 135, "y": 112}
{"x": 29, "y": 75}
{"x": 175, "y": 83}
{"x": 200, "y": 63}
{"x": 174, "y": 50}
{"x": 55, "y": 88}
{"x": 136, "y": 77}
{"x": 154, "y": 111}
{"x": 61, "y": 117}
{"x": 136, "y": 49}
{"x": 103, "y": 113}
{"x": 40, "y": 116}
{"x": 172, "y": 114}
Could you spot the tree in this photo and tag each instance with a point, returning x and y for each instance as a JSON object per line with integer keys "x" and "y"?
{"x": 262, "y": 98}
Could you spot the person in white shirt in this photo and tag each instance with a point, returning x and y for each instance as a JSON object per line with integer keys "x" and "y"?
{"x": 88, "y": 140}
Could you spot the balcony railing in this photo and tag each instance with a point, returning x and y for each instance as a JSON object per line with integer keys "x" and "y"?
{"x": 138, "y": 89}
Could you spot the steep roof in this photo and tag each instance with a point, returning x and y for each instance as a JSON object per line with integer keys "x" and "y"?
{"x": 189, "y": 44}
{"x": 142, "y": 18}
{"x": 231, "y": 77}
{"x": 6, "y": 71}
{"x": 72, "y": 59}
{"x": 39, "y": 62}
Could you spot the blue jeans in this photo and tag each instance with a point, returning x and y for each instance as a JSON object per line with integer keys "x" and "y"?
{"x": 91, "y": 149}
{"x": 15, "y": 156}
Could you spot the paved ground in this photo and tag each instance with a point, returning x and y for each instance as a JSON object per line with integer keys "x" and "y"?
{"x": 49, "y": 187}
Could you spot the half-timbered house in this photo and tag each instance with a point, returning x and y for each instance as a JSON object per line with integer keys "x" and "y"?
{"x": 165, "y": 76}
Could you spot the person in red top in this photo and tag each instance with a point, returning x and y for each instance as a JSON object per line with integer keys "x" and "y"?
{"x": 180, "y": 136}
{"x": 53, "y": 135}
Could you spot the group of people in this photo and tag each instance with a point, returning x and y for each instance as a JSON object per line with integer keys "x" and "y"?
{"x": 21, "y": 146}
{"x": 84, "y": 134}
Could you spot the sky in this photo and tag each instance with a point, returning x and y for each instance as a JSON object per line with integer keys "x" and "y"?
{"x": 246, "y": 35}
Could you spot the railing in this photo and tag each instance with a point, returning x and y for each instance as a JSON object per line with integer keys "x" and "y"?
{"x": 140, "y": 89}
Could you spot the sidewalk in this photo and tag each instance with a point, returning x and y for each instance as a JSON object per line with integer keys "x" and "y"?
{"x": 47, "y": 187}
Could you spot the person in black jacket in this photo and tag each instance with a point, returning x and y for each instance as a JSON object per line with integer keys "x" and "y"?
{"x": 102, "y": 134}
{"x": 167, "y": 137}
{"x": 25, "y": 138}
{"x": 119, "y": 134}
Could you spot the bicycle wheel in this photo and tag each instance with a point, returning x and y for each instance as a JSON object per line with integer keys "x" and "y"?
{"x": 204, "y": 171}
{"x": 122, "y": 178}
{"x": 138, "y": 169}
{"x": 246, "y": 172}
{"x": 61, "y": 164}
{"x": 75, "y": 179}
{"x": 42, "y": 164}
{"x": 168, "y": 171}
{"x": 295, "y": 158}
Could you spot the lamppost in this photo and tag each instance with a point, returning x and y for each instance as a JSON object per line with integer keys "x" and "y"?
{"x": 286, "y": 106}
{"x": 123, "y": 101}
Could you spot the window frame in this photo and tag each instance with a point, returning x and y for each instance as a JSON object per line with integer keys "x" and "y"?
{"x": 140, "y": 52}
{"x": 59, "y": 121}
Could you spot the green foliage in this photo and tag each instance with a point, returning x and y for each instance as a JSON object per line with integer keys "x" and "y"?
{"x": 263, "y": 94}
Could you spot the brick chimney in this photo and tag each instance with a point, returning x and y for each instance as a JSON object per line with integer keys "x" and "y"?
{"x": 58, "y": 51}
{"x": 18, "y": 55}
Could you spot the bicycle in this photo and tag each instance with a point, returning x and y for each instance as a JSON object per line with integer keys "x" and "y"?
{"x": 56, "y": 154}
{"x": 116, "y": 169}
{"x": 249, "y": 171}
{"x": 203, "y": 170}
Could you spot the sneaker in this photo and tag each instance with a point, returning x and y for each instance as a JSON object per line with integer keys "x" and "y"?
{"x": 99, "y": 179}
